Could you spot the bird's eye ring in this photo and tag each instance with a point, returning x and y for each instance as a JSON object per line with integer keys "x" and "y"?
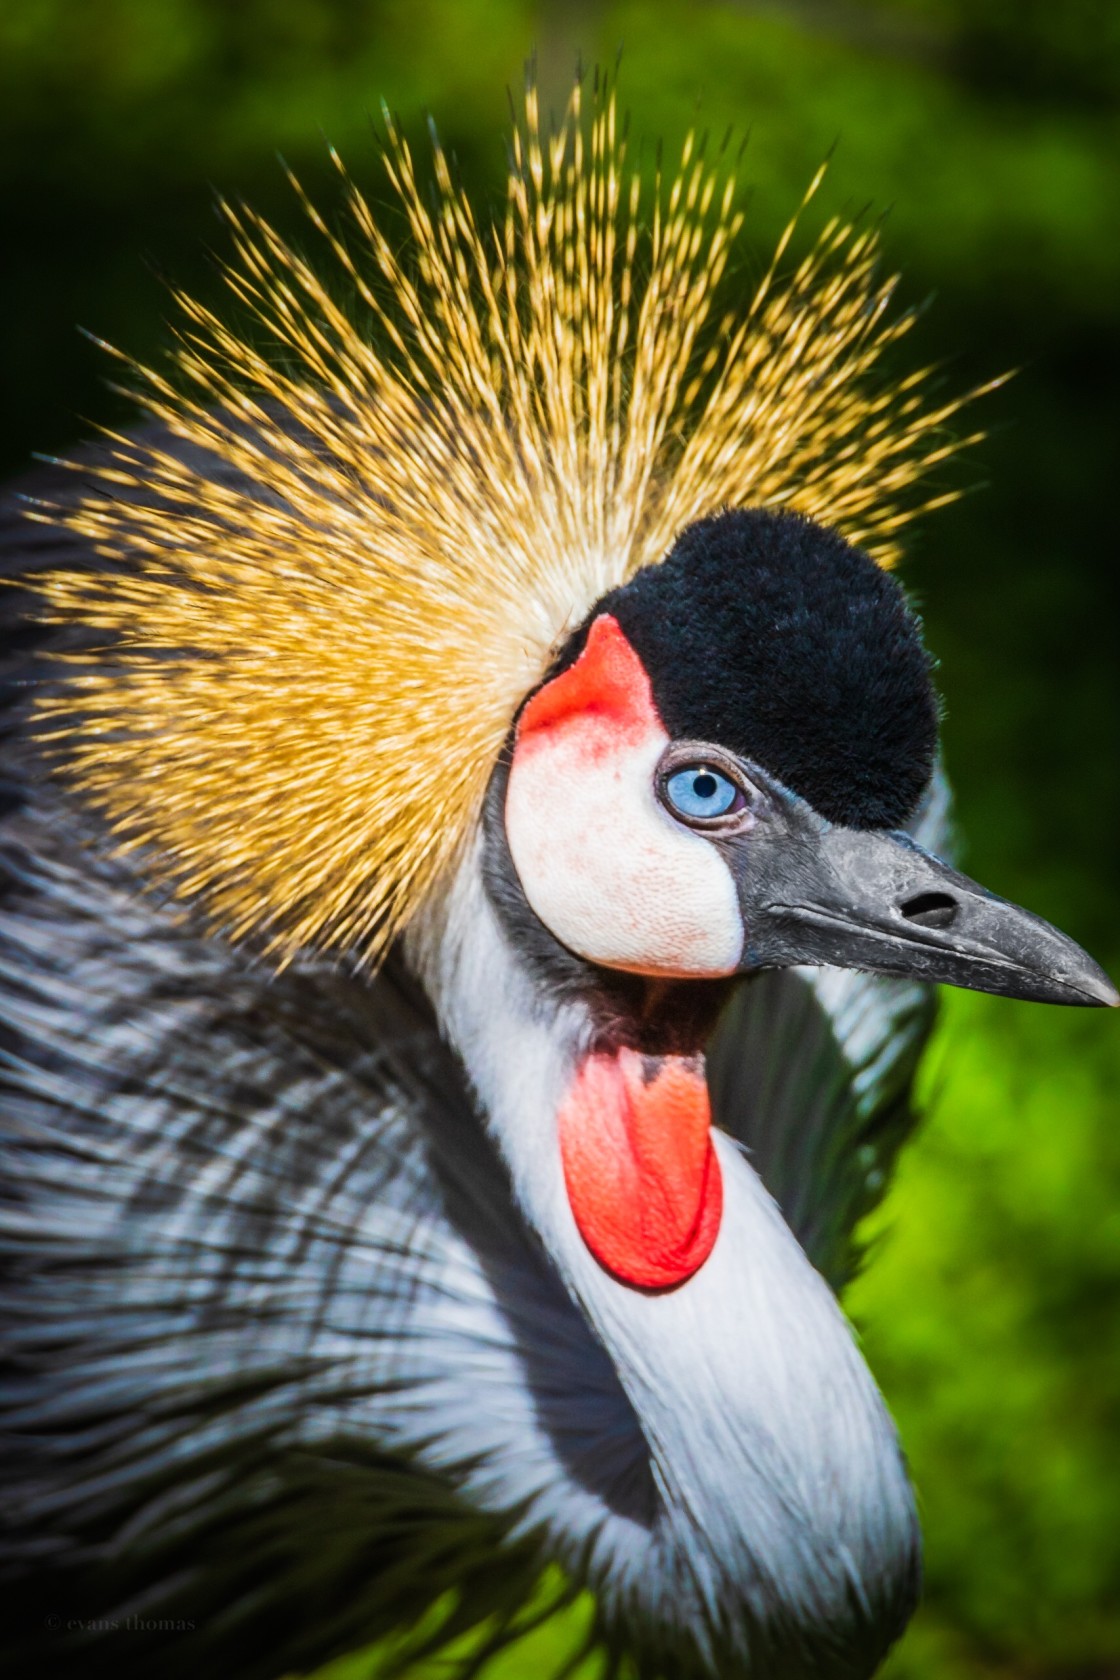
{"x": 700, "y": 793}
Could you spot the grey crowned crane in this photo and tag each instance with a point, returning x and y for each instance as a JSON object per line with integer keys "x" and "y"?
{"x": 470, "y": 903}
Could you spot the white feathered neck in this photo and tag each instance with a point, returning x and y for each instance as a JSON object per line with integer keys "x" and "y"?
{"x": 784, "y": 1525}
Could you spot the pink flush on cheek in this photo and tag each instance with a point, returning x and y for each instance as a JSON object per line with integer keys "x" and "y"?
{"x": 606, "y": 694}
{"x": 642, "y": 1177}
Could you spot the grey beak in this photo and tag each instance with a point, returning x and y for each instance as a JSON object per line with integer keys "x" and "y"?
{"x": 812, "y": 892}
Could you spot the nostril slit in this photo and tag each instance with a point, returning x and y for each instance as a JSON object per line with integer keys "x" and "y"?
{"x": 930, "y": 909}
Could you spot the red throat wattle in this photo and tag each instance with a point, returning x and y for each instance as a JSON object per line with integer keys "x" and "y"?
{"x": 642, "y": 1176}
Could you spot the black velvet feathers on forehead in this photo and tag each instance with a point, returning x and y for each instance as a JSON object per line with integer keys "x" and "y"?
{"x": 773, "y": 637}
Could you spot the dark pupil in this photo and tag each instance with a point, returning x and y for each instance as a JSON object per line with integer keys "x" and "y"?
{"x": 704, "y": 785}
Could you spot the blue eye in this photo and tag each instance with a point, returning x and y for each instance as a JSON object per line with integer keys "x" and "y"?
{"x": 700, "y": 791}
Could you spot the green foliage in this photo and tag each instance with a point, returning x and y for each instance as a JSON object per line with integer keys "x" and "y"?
{"x": 990, "y": 126}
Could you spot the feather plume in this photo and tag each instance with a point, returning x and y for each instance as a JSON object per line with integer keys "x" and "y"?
{"x": 321, "y": 616}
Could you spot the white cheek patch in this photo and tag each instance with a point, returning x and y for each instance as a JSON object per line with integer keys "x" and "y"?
{"x": 604, "y": 865}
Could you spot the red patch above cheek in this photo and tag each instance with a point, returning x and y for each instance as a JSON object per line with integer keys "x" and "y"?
{"x": 607, "y": 684}
{"x": 642, "y": 1177}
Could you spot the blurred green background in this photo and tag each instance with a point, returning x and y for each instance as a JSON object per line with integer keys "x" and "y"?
{"x": 990, "y": 128}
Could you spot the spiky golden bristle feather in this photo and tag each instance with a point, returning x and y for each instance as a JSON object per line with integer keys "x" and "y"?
{"x": 330, "y": 604}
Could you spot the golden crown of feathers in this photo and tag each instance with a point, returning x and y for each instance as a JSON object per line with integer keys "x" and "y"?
{"x": 326, "y": 608}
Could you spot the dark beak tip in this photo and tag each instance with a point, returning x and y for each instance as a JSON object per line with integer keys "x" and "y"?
{"x": 1091, "y": 986}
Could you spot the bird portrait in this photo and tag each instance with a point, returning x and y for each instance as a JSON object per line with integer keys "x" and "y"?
{"x": 475, "y": 861}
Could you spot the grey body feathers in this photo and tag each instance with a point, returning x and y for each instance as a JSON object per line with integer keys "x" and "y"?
{"x": 284, "y": 1358}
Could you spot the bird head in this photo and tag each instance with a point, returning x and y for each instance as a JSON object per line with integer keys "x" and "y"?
{"x": 338, "y": 579}
{"x": 718, "y": 774}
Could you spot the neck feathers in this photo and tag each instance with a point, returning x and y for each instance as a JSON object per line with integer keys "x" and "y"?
{"x": 783, "y": 1537}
